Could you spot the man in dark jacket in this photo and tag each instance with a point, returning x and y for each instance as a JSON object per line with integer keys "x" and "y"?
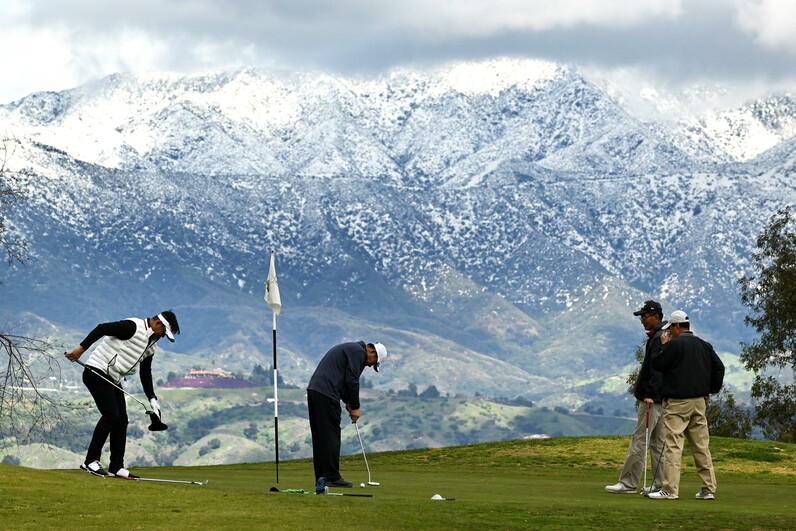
{"x": 648, "y": 396}
{"x": 337, "y": 378}
{"x": 691, "y": 371}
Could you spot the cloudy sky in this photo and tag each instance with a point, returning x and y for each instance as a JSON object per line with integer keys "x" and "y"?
{"x": 54, "y": 44}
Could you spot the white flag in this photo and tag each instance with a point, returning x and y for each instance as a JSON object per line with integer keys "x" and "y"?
{"x": 272, "y": 289}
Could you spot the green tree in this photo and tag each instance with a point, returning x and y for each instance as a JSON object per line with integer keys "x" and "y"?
{"x": 430, "y": 392}
{"x": 769, "y": 291}
{"x": 726, "y": 418}
{"x": 632, "y": 378}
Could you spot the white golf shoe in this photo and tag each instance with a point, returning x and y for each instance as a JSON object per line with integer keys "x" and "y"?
{"x": 620, "y": 488}
{"x": 662, "y": 495}
{"x": 705, "y": 495}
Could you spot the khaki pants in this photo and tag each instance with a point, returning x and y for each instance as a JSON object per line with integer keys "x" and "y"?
{"x": 687, "y": 416}
{"x": 634, "y": 460}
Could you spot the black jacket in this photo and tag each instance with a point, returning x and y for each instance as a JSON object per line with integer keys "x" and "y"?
{"x": 690, "y": 367}
{"x": 648, "y": 384}
{"x": 337, "y": 375}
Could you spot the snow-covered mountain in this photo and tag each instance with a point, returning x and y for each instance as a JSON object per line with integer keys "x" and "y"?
{"x": 495, "y": 223}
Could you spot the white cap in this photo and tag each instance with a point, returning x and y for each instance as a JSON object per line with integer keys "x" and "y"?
{"x": 677, "y": 316}
{"x": 167, "y": 326}
{"x": 381, "y": 353}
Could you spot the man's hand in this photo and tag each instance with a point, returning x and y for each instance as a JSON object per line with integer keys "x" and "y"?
{"x": 75, "y": 354}
{"x": 353, "y": 414}
{"x": 153, "y": 402}
{"x": 665, "y": 336}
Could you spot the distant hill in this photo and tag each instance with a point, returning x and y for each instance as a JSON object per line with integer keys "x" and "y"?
{"x": 223, "y": 426}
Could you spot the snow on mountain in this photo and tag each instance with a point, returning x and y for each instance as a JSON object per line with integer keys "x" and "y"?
{"x": 472, "y": 214}
{"x": 747, "y": 132}
{"x": 415, "y": 126}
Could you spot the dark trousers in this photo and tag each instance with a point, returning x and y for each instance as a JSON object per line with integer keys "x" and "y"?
{"x": 113, "y": 422}
{"x": 325, "y": 427}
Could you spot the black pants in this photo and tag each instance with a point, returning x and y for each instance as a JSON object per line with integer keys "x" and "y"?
{"x": 325, "y": 427}
{"x": 113, "y": 422}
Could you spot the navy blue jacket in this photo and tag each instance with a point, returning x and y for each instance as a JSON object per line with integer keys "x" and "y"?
{"x": 337, "y": 374}
{"x": 690, "y": 367}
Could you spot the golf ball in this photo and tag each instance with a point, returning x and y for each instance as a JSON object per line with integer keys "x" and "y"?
{"x": 361, "y": 485}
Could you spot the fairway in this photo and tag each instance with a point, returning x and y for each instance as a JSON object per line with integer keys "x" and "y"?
{"x": 551, "y": 484}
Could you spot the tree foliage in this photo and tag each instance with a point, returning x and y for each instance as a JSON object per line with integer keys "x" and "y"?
{"x": 769, "y": 291}
{"x": 726, "y": 418}
{"x": 632, "y": 377}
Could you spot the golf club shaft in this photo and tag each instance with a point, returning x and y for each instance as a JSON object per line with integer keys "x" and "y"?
{"x": 363, "y": 451}
{"x": 113, "y": 384}
{"x": 646, "y": 446}
{"x": 187, "y": 482}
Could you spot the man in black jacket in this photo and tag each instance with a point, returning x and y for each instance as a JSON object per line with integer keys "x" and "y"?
{"x": 648, "y": 396}
{"x": 691, "y": 371}
{"x": 337, "y": 378}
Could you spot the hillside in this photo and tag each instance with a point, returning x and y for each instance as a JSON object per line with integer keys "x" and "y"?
{"x": 224, "y": 426}
{"x": 494, "y": 223}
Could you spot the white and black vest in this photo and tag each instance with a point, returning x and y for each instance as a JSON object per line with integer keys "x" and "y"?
{"x": 119, "y": 358}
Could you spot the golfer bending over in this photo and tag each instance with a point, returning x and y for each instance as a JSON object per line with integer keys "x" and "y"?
{"x": 337, "y": 378}
{"x": 124, "y": 346}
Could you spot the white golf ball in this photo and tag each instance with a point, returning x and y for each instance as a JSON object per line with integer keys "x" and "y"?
{"x": 361, "y": 485}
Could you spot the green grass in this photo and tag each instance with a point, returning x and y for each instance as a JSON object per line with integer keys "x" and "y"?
{"x": 552, "y": 484}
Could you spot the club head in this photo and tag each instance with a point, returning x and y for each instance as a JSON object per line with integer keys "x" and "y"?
{"x": 156, "y": 424}
{"x": 374, "y": 483}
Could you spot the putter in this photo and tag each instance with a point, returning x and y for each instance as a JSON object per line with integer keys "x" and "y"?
{"x": 156, "y": 425}
{"x": 371, "y": 483}
{"x": 646, "y": 450}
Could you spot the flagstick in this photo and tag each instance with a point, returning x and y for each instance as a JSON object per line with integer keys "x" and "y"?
{"x": 275, "y": 303}
{"x": 276, "y": 406}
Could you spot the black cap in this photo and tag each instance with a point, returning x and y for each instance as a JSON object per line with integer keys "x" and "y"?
{"x": 650, "y": 307}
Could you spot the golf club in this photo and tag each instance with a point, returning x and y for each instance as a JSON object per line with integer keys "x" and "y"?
{"x": 324, "y": 493}
{"x": 646, "y": 448}
{"x": 156, "y": 425}
{"x": 186, "y": 482}
{"x": 349, "y": 494}
{"x": 371, "y": 483}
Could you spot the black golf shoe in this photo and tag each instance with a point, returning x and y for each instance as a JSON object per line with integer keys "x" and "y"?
{"x": 340, "y": 483}
{"x": 95, "y": 469}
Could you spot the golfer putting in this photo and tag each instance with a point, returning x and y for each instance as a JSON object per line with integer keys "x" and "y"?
{"x": 336, "y": 379}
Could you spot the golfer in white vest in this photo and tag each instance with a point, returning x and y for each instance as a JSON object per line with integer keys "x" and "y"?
{"x": 123, "y": 347}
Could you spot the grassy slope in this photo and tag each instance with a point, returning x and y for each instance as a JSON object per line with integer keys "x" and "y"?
{"x": 210, "y": 426}
{"x": 553, "y": 483}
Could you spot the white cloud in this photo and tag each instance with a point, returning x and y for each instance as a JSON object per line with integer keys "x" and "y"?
{"x": 772, "y": 22}
{"x": 35, "y": 60}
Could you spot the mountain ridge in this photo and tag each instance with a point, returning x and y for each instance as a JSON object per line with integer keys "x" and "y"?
{"x": 469, "y": 227}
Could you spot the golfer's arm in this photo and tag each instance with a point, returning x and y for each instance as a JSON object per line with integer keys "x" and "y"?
{"x": 120, "y": 329}
{"x": 146, "y": 378}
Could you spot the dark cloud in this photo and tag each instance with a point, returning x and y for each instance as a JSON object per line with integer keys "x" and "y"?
{"x": 696, "y": 40}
